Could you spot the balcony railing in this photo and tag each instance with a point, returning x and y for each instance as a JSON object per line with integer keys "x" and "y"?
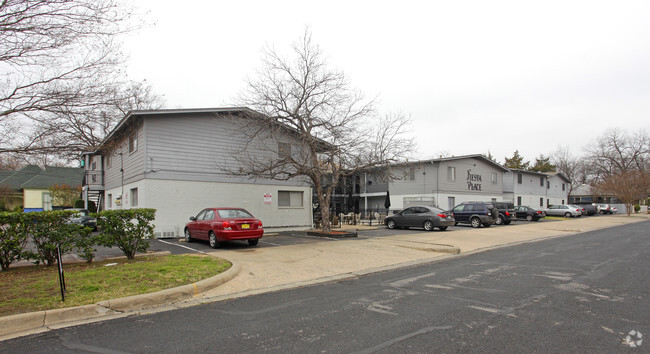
{"x": 94, "y": 180}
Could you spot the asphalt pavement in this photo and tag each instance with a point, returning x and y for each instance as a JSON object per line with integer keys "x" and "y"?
{"x": 289, "y": 260}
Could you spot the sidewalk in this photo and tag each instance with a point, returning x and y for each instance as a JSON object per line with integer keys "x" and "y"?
{"x": 259, "y": 270}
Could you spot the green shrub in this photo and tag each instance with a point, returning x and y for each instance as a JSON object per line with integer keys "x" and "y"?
{"x": 127, "y": 229}
{"x": 637, "y": 207}
{"x": 50, "y": 229}
{"x": 14, "y": 232}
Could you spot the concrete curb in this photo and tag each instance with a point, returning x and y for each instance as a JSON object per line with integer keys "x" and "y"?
{"x": 41, "y": 320}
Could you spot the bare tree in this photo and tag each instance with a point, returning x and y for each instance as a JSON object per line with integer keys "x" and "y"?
{"x": 569, "y": 165}
{"x": 334, "y": 127}
{"x": 620, "y": 161}
{"x": 61, "y": 69}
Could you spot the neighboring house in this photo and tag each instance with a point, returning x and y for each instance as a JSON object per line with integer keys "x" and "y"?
{"x": 180, "y": 161}
{"x": 443, "y": 182}
{"x": 585, "y": 193}
{"x": 30, "y": 186}
{"x": 535, "y": 189}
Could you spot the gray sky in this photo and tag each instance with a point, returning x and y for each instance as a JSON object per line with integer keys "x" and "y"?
{"x": 475, "y": 76}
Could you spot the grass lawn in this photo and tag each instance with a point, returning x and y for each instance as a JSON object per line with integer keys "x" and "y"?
{"x": 27, "y": 289}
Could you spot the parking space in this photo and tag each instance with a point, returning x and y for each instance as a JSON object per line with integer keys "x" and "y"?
{"x": 285, "y": 238}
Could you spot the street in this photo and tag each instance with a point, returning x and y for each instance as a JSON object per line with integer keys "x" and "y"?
{"x": 583, "y": 293}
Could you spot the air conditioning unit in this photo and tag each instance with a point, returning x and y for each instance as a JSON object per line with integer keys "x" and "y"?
{"x": 165, "y": 232}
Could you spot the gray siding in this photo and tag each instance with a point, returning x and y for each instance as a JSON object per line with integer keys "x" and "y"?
{"x": 472, "y": 176}
{"x": 119, "y": 155}
{"x": 200, "y": 147}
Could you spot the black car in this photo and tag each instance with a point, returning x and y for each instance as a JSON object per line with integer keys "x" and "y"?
{"x": 506, "y": 213}
{"x": 476, "y": 213}
{"x": 82, "y": 217}
{"x": 420, "y": 216}
{"x": 527, "y": 213}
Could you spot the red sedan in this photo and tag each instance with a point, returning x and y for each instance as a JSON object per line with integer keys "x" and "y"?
{"x": 224, "y": 224}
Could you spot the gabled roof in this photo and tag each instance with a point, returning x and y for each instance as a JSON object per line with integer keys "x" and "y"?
{"x": 33, "y": 177}
{"x": 516, "y": 170}
{"x": 474, "y": 156}
{"x": 559, "y": 174}
{"x": 243, "y": 111}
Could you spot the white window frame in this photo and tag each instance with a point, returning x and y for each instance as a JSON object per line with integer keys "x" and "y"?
{"x": 133, "y": 195}
{"x": 451, "y": 173}
{"x": 133, "y": 142}
{"x": 291, "y": 199}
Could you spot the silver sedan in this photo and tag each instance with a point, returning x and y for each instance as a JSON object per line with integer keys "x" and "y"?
{"x": 564, "y": 210}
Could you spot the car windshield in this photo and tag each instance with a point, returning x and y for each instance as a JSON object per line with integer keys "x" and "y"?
{"x": 233, "y": 213}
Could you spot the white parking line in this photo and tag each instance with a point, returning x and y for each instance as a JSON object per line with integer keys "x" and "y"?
{"x": 183, "y": 246}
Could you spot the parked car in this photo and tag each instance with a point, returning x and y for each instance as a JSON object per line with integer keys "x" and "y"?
{"x": 420, "y": 216}
{"x": 527, "y": 213}
{"x": 589, "y": 209}
{"x": 217, "y": 225}
{"x": 564, "y": 210}
{"x": 82, "y": 217}
{"x": 506, "y": 213}
{"x": 476, "y": 213}
{"x": 605, "y": 209}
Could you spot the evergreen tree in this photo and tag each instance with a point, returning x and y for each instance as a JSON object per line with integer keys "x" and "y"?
{"x": 543, "y": 164}
{"x": 516, "y": 162}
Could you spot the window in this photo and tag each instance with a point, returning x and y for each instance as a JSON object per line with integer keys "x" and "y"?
{"x": 134, "y": 197}
{"x": 290, "y": 198}
{"x": 209, "y": 215}
{"x": 93, "y": 166}
{"x": 520, "y": 178}
{"x": 284, "y": 150}
{"x": 451, "y": 201}
{"x": 541, "y": 202}
{"x": 518, "y": 200}
{"x": 563, "y": 189}
{"x": 494, "y": 178}
{"x": 133, "y": 143}
{"x": 47, "y": 201}
{"x": 412, "y": 174}
{"x": 451, "y": 173}
{"x": 541, "y": 181}
{"x": 548, "y": 185}
{"x": 109, "y": 201}
{"x": 108, "y": 160}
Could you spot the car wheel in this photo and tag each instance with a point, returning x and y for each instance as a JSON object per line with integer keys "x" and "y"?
{"x": 390, "y": 224}
{"x": 428, "y": 225}
{"x": 567, "y": 215}
{"x": 442, "y": 228}
{"x": 476, "y": 222}
{"x": 253, "y": 242}
{"x": 499, "y": 220}
{"x": 188, "y": 237}
{"x": 214, "y": 243}
{"x": 529, "y": 218}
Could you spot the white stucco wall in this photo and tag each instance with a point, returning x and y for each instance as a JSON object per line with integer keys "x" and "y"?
{"x": 176, "y": 201}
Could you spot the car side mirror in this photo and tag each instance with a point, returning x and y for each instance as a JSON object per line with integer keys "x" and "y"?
{"x": 192, "y": 218}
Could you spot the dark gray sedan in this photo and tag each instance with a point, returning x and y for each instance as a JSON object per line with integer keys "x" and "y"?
{"x": 421, "y": 216}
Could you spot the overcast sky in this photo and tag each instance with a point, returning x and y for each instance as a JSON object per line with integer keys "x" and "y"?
{"x": 475, "y": 76}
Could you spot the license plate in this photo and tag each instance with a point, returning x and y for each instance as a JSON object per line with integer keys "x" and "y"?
{"x": 245, "y": 226}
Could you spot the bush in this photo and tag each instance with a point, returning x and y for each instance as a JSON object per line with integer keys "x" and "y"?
{"x": 50, "y": 229}
{"x": 80, "y": 204}
{"x": 637, "y": 207}
{"x": 14, "y": 233}
{"x": 127, "y": 229}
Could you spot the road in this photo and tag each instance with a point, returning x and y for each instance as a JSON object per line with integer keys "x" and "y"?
{"x": 583, "y": 293}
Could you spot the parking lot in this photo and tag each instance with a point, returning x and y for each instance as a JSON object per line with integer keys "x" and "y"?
{"x": 288, "y": 238}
